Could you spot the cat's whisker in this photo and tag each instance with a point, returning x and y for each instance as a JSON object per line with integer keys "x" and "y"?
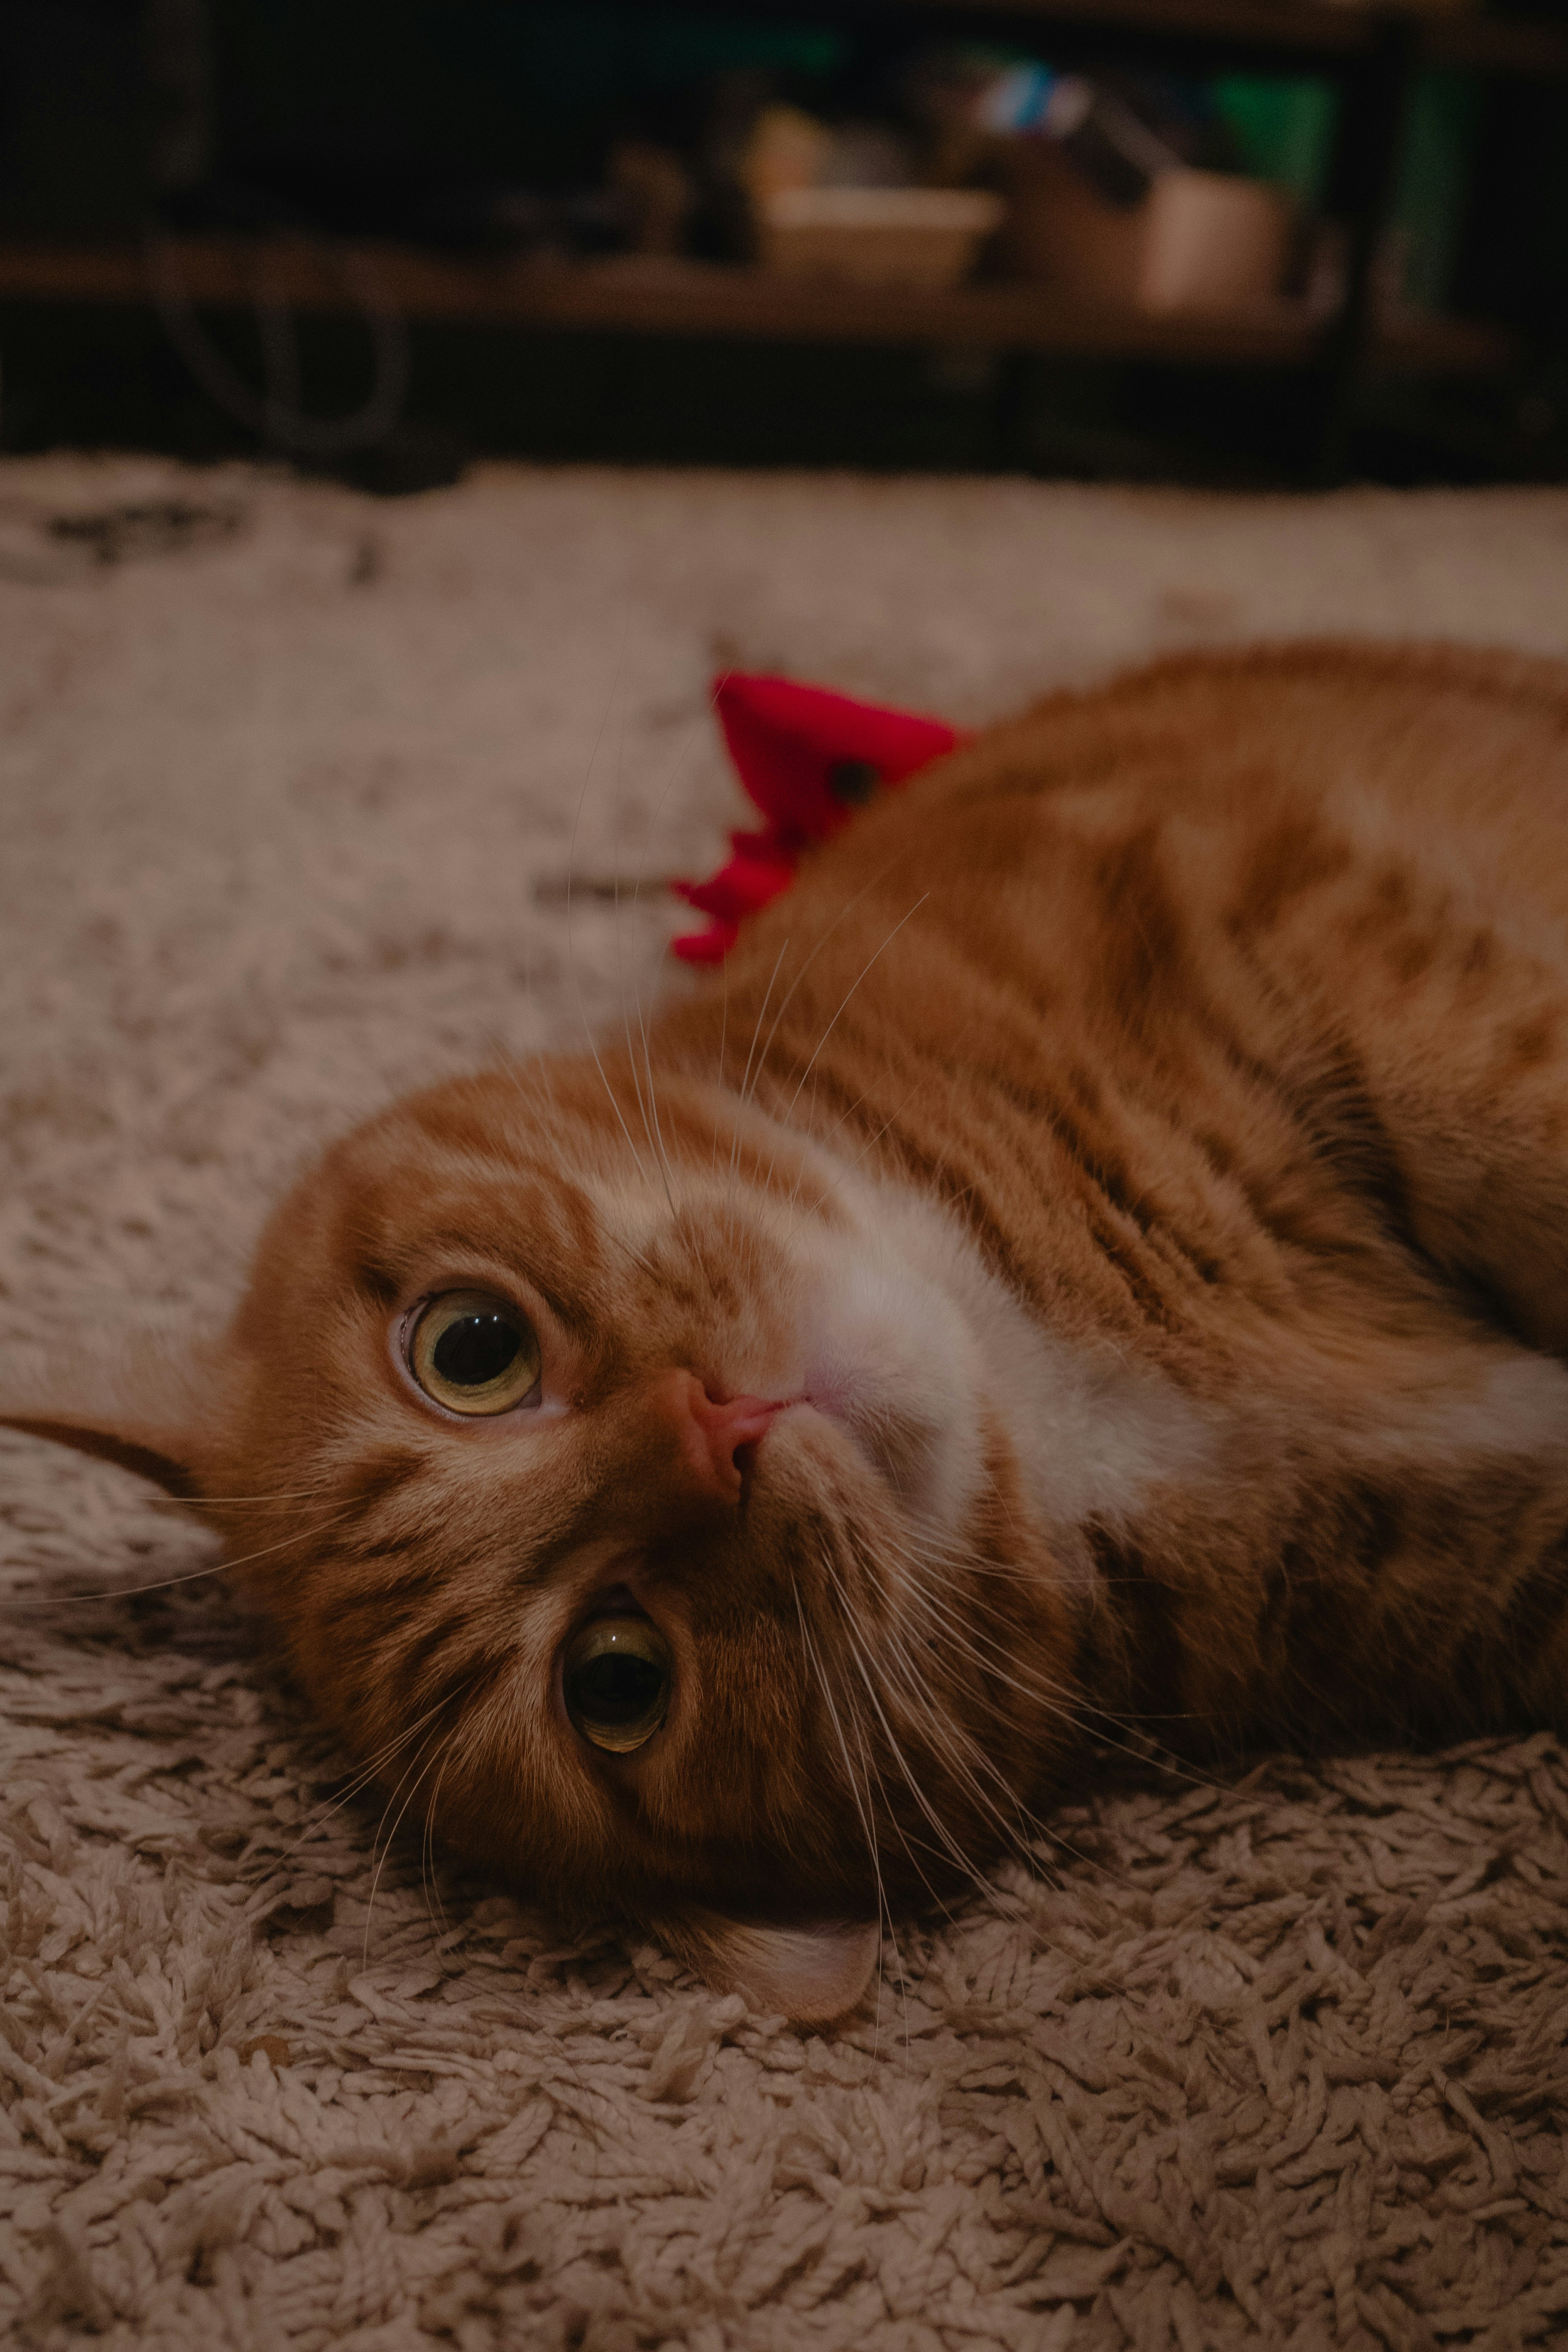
{"x": 677, "y": 765}
{"x": 946, "y": 1841}
{"x": 750, "y": 1056}
{"x": 667, "y": 1170}
{"x": 872, "y": 1769}
{"x": 788, "y": 997}
{"x": 1025, "y": 1831}
{"x": 862, "y": 1806}
{"x": 392, "y": 1834}
{"x": 916, "y": 1557}
{"x": 320, "y": 1814}
{"x": 203, "y": 1500}
{"x": 723, "y": 1033}
{"x": 822, "y": 1137}
{"x": 1001, "y": 1572}
{"x": 571, "y": 945}
{"x": 1029, "y": 1830}
{"x": 647, "y": 1110}
{"x": 620, "y": 1115}
{"x": 1028, "y": 1685}
{"x": 832, "y": 1024}
{"x": 650, "y": 1124}
{"x": 966, "y": 1760}
{"x": 427, "y": 1851}
{"x": 1018, "y": 1835}
{"x": 868, "y": 1768}
{"x": 1097, "y": 1722}
{"x": 959, "y": 1748}
{"x": 1035, "y": 1682}
{"x": 510, "y": 1071}
{"x": 871, "y": 1142}
{"x": 536, "y": 1067}
{"x": 938, "y": 1901}
{"x": 192, "y": 1576}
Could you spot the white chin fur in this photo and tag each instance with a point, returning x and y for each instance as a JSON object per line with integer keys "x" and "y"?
{"x": 890, "y": 1357}
{"x": 915, "y": 1347}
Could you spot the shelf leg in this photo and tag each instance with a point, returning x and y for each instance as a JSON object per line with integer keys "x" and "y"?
{"x": 1010, "y": 412}
{"x": 1375, "y": 92}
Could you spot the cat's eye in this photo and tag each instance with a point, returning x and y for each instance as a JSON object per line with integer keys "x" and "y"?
{"x": 474, "y": 1353}
{"x": 617, "y": 1681}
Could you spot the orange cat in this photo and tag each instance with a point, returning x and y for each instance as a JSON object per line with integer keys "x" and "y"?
{"x": 1099, "y": 1252}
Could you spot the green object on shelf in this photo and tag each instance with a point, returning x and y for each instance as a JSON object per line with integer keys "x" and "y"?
{"x": 673, "y": 47}
{"x": 1433, "y": 182}
{"x": 1283, "y": 129}
{"x": 1283, "y": 126}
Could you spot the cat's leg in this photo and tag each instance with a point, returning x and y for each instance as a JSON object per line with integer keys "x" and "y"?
{"x": 1462, "y": 1066}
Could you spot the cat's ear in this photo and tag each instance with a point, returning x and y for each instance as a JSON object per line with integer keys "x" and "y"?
{"x": 153, "y": 1402}
{"x": 811, "y": 1973}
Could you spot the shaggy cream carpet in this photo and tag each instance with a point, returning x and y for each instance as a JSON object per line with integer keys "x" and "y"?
{"x": 291, "y": 782}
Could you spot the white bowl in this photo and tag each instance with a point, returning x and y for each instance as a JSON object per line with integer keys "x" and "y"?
{"x": 875, "y": 236}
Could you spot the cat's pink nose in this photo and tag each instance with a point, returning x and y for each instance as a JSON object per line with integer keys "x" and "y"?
{"x": 712, "y": 1433}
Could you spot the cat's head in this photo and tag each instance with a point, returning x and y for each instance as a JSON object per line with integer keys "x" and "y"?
{"x": 637, "y": 1503}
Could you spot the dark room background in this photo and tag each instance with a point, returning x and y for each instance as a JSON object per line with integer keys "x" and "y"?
{"x": 385, "y": 236}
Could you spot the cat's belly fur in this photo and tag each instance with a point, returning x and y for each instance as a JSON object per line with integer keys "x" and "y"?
{"x": 1394, "y": 1536}
{"x": 1229, "y": 1014}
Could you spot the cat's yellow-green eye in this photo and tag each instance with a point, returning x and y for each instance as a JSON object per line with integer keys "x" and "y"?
{"x": 617, "y": 1678}
{"x": 474, "y": 1353}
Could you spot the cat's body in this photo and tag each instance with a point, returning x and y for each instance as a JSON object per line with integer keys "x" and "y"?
{"x": 1099, "y": 1252}
{"x": 1234, "y": 1029}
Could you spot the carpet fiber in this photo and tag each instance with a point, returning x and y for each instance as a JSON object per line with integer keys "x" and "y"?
{"x": 290, "y": 785}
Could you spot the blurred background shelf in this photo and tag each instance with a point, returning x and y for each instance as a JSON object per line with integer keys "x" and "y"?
{"x": 652, "y": 295}
{"x": 232, "y": 223}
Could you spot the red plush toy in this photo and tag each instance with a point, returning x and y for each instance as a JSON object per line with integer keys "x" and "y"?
{"x": 808, "y": 758}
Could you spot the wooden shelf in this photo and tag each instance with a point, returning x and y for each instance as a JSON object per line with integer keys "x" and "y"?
{"x": 1323, "y": 28}
{"x": 1495, "y": 44}
{"x": 1295, "y": 24}
{"x": 637, "y": 295}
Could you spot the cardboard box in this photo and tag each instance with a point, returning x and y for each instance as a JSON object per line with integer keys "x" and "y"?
{"x": 1203, "y": 242}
